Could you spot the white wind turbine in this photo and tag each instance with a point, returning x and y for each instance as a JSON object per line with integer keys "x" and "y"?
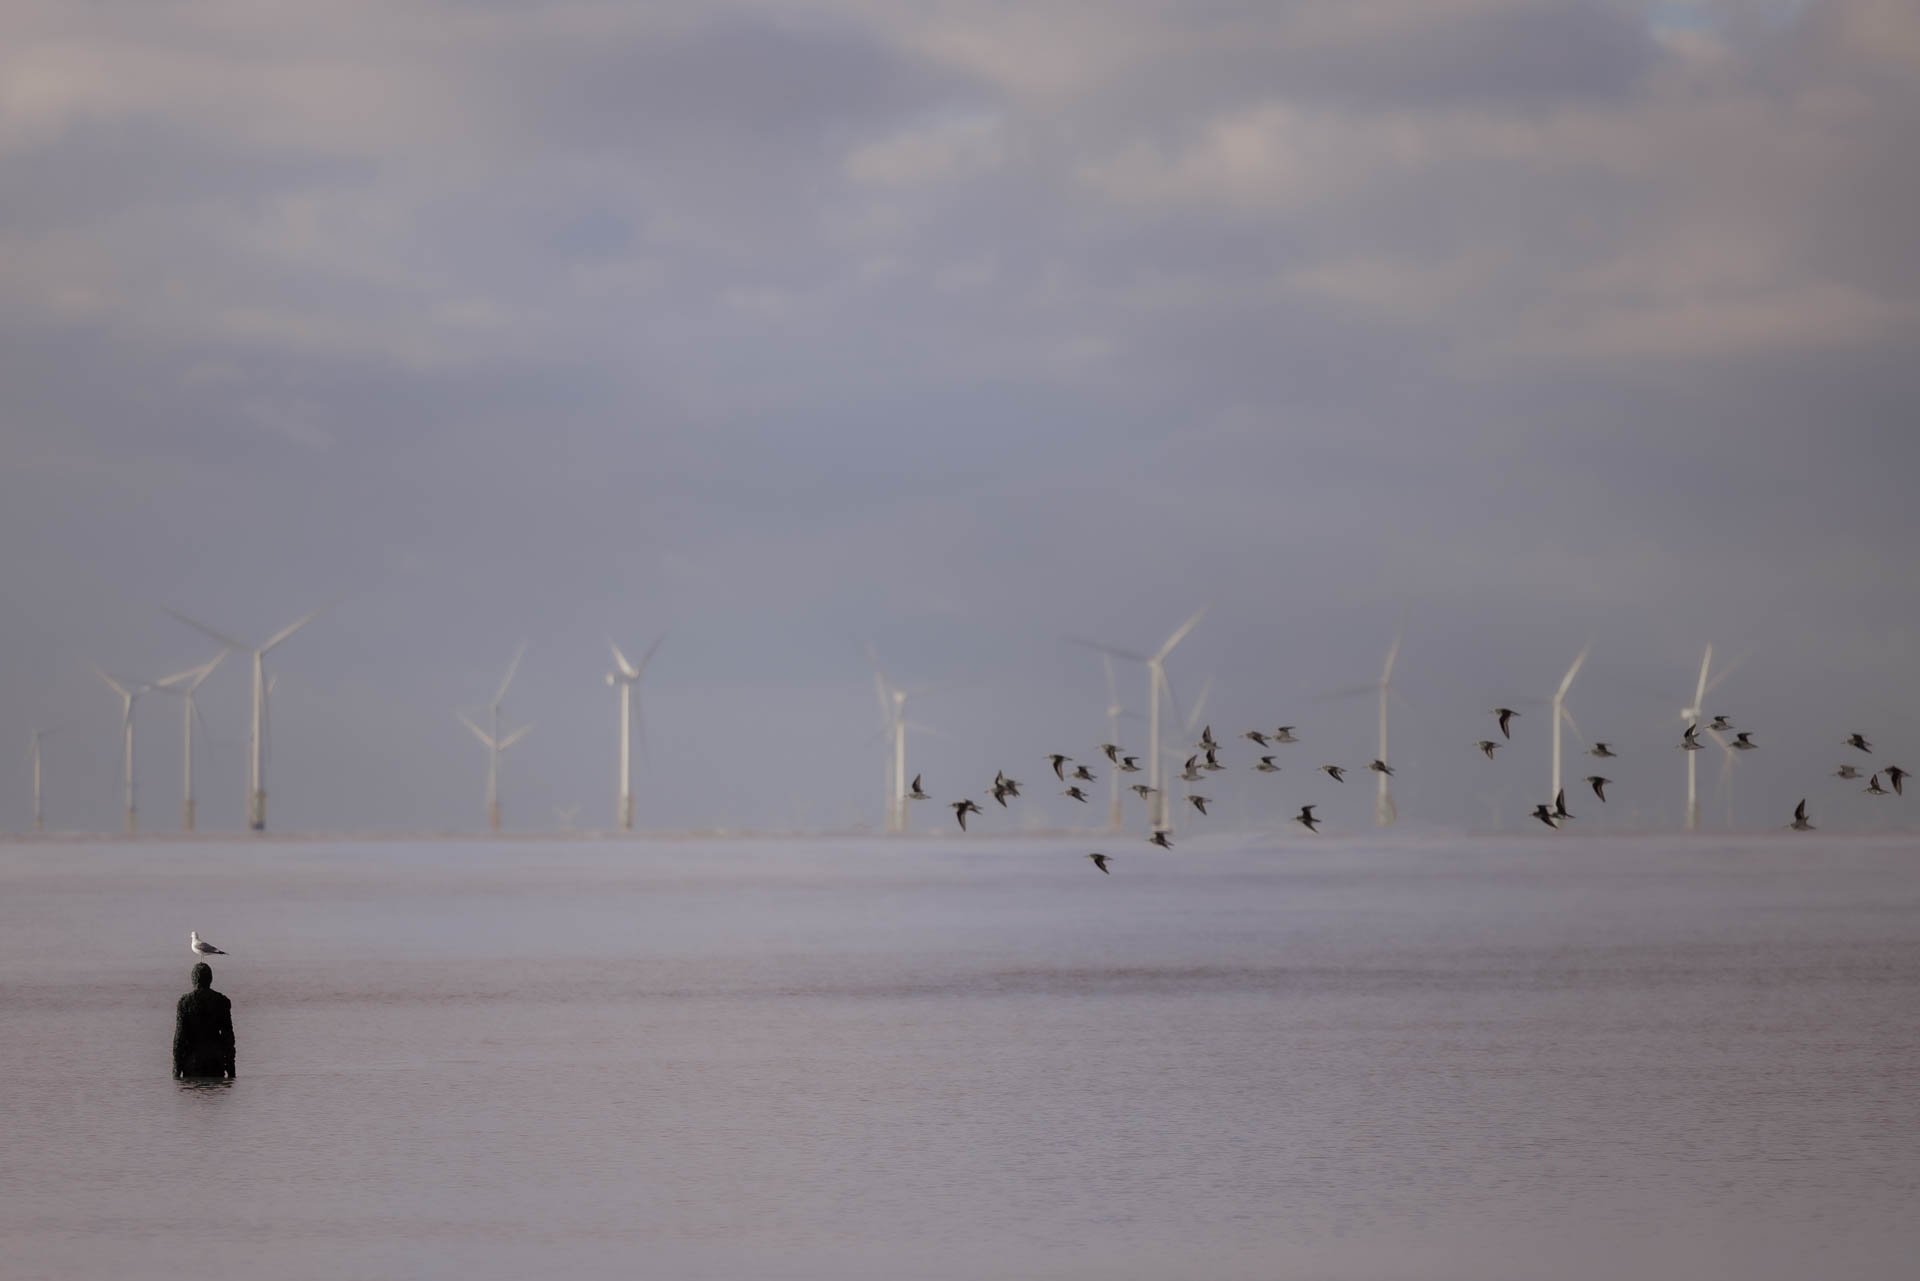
{"x": 257, "y": 738}
{"x": 1560, "y": 713}
{"x": 623, "y": 678}
{"x": 1691, "y": 715}
{"x": 893, "y": 714}
{"x": 39, "y": 816}
{"x": 129, "y": 692}
{"x": 1157, "y": 693}
{"x": 187, "y": 684}
{"x": 490, "y": 739}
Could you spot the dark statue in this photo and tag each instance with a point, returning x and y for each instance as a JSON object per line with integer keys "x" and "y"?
{"x": 203, "y": 1030}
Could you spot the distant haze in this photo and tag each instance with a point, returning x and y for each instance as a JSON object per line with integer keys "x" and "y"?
{"x": 958, "y": 329}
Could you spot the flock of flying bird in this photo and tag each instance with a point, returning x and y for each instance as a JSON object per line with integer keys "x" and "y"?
{"x": 1207, "y": 759}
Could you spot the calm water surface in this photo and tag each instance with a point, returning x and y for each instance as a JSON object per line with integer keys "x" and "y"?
{"x": 1449, "y": 1058}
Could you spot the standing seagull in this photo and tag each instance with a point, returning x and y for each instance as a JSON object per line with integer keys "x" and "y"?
{"x": 1306, "y": 819}
{"x": 1599, "y": 786}
{"x": 1506, "y": 715}
{"x": 1100, "y": 861}
{"x": 1860, "y": 741}
{"x": 1800, "y": 823}
{"x": 1894, "y": 775}
{"x": 200, "y": 947}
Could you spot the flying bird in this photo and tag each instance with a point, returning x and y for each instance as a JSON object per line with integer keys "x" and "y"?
{"x": 1895, "y": 775}
{"x": 1742, "y": 742}
{"x": 1545, "y": 816}
{"x": 1160, "y": 839}
{"x": 1198, "y": 802}
{"x": 1100, "y": 861}
{"x": 962, "y": 808}
{"x": 1873, "y": 787}
{"x": 1800, "y": 823}
{"x": 1560, "y": 804}
{"x": 1599, "y": 786}
{"x": 1255, "y": 736}
{"x": 1847, "y": 771}
{"x": 1337, "y": 773}
{"x": 1213, "y": 762}
{"x": 1143, "y": 791}
{"x": 1860, "y": 741}
{"x": 1506, "y": 715}
{"x": 916, "y": 794}
{"x": 1112, "y": 750}
{"x": 1487, "y": 745}
{"x": 1191, "y": 773}
{"x": 1076, "y": 794}
{"x": 1082, "y": 774}
{"x": 1380, "y": 767}
{"x": 1012, "y": 785}
{"x": 1721, "y": 723}
{"x": 1207, "y": 739}
{"x": 1601, "y": 749}
{"x": 1059, "y": 762}
{"x": 1129, "y": 765}
{"x": 1284, "y": 735}
{"x": 1306, "y": 819}
{"x": 200, "y": 947}
{"x": 1690, "y": 741}
{"x": 1266, "y": 766}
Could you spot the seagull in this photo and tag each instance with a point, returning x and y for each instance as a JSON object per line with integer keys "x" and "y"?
{"x": 1860, "y": 741}
{"x": 1545, "y": 816}
{"x": 1560, "y": 804}
{"x": 1380, "y": 767}
{"x": 1721, "y": 723}
{"x": 962, "y": 808}
{"x": 1847, "y": 771}
{"x": 1100, "y": 861}
{"x": 1800, "y": 823}
{"x": 1306, "y": 819}
{"x": 1129, "y": 765}
{"x": 1690, "y": 740}
{"x": 1894, "y": 775}
{"x": 1083, "y": 774}
{"x": 1000, "y": 794}
{"x": 1742, "y": 743}
{"x": 1599, "y": 786}
{"x": 1206, "y": 738}
{"x": 1112, "y": 750}
{"x": 1601, "y": 749}
{"x": 1059, "y": 761}
{"x": 1283, "y": 735}
{"x": 1012, "y": 785}
{"x": 1076, "y": 794}
{"x": 1160, "y": 839}
{"x": 1266, "y": 766}
{"x": 1336, "y": 772}
{"x": 1487, "y": 745}
{"x": 1506, "y": 715}
{"x": 1255, "y": 736}
{"x": 1143, "y": 791}
{"x": 200, "y": 947}
{"x": 916, "y": 794}
{"x": 1191, "y": 774}
{"x": 1873, "y": 787}
{"x": 1213, "y": 762}
{"x": 1198, "y": 802}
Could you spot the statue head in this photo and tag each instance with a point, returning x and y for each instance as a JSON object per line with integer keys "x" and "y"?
{"x": 202, "y": 975}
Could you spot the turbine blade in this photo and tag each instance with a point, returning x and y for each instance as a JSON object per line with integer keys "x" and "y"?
{"x": 1181, "y": 634}
{"x": 478, "y": 733}
{"x": 1725, "y": 672}
{"x": 1113, "y": 690}
{"x": 514, "y": 737}
{"x": 291, "y": 628}
{"x": 1199, "y": 707}
{"x": 198, "y": 626}
{"x": 1572, "y": 672}
{"x": 1393, "y": 653}
{"x": 500, "y": 696}
{"x": 1572, "y": 724}
{"x": 1700, "y": 688}
{"x": 1127, "y": 654}
{"x": 648, "y": 656}
{"x": 620, "y": 660}
{"x": 118, "y": 688}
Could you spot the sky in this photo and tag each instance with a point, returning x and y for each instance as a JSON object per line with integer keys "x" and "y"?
{"x": 957, "y": 329}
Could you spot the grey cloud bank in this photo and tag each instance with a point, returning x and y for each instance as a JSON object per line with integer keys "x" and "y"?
{"x": 960, "y": 327}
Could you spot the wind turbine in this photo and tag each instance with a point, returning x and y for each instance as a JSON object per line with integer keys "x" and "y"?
{"x": 129, "y": 692}
{"x": 1560, "y": 713}
{"x": 1691, "y": 716}
{"x": 1157, "y": 692}
{"x": 257, "y": 745}
{"x": 893, "y": 711}
{"x": 494, "y": 743}
{"x": 623, "y": 678}
{"x": 39, "y": 819}
{"x": 1383, "y": 811}
{"x": 187, "y": 684}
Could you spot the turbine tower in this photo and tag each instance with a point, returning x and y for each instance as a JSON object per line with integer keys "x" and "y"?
{"x": 1561, "y": 713}
{"x": 39, "y": 817}
{"x": 1157, "y": 692}
{"x": 623, "y": 678}
{"x": 257, "y": 739}
{"x": 494, "y": 743}
{"x": 1384, "y": 813}
{"x": 893, "y": 714}
{"x": 1114, "y": 712}
{"x": 187, "y": 684}
{"x": 129, "y": 692}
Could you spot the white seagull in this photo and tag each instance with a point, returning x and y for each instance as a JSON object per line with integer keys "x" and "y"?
{"x": 200, "y": 947}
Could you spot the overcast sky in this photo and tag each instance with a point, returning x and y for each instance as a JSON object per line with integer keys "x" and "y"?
{"x": 957, "y": 328}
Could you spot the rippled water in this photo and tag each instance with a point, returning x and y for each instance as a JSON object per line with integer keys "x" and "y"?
{"x": 1448, "y": 1058}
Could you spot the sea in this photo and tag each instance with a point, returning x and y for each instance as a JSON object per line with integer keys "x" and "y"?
{"x": 1252, "y": 1056}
